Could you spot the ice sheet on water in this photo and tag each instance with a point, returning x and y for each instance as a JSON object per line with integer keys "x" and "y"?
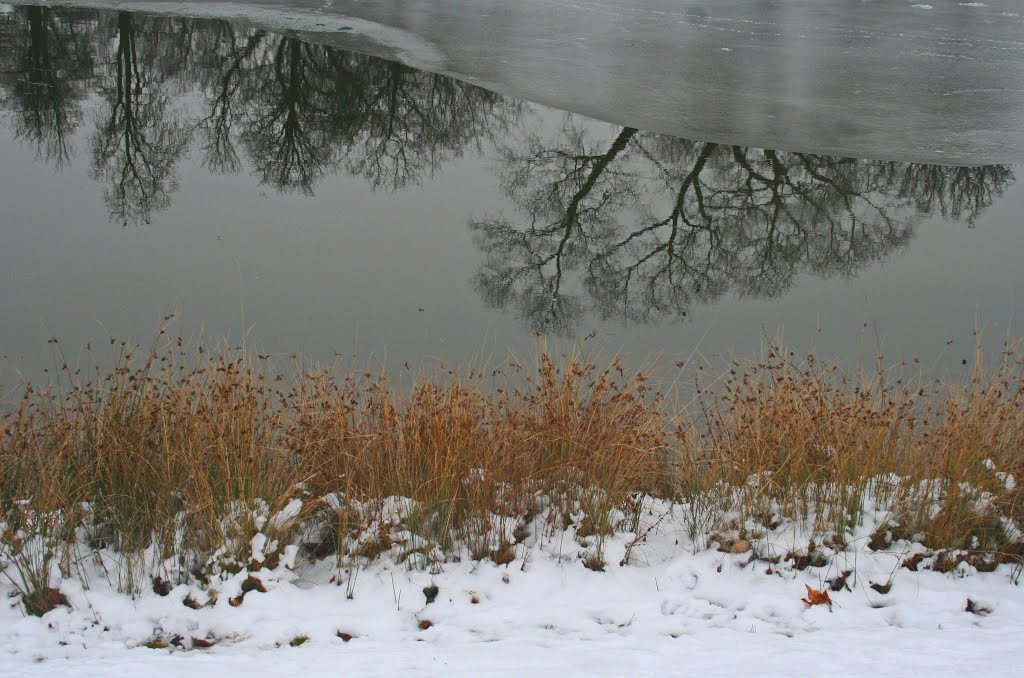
{"x": 293, "y": 17}
{"x": 660, "y": 65}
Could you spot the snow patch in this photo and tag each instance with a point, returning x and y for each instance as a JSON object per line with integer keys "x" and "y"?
{"x": 661, "y": 599}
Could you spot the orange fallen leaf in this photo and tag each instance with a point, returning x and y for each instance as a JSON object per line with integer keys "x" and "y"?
{"x": 815, "y": 597}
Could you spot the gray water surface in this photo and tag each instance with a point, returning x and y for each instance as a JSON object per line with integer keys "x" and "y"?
{"x": 323, "y": 201}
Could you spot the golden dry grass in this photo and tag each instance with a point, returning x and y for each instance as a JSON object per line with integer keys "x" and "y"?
{"x": 183, "y": 454}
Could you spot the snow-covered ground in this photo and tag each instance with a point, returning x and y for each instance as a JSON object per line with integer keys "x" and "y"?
{"x": 671, "y": 610}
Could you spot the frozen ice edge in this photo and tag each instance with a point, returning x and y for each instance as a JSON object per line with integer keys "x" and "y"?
{"x": 400, "y": 44}
{"x": 324, "y": 25}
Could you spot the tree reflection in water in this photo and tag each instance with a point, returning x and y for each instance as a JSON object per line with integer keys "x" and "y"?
{"x": 139, "y": 137}
{"x": 613, "y": 221}
{"x": 46, "y": 58}
{"x": 654, "y": 224}
{"x": 296, "y": 111}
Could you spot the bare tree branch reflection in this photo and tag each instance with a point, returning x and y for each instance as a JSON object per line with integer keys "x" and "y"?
{"x": 651, "y": 225}
{"x": 289, "y": 111}
{"x": 45, "y": 62}
{"x": 138, "y": 139}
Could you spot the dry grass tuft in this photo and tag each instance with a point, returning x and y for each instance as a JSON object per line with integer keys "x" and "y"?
{"x": 186, "y": 464}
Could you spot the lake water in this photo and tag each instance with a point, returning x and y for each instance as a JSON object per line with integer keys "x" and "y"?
{"x": 311, "y": 199}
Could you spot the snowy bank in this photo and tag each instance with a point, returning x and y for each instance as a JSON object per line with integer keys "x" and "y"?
{"x": 671, "y": 607}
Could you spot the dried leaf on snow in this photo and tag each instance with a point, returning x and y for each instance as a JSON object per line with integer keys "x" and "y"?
{"x": 816, "y": 597}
